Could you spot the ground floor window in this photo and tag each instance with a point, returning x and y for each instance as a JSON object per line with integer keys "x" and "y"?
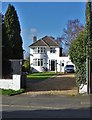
{"x": 37, "y": 62}
{"x": 34, "y": 62}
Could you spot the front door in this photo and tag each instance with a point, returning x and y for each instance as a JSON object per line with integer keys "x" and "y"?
{"x": 52, "y": 65}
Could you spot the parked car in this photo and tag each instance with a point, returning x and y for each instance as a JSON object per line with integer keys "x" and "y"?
{"x": 69, "y": 69}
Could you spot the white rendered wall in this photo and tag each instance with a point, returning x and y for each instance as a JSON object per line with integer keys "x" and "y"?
{"x": 37, "y": 56}
{"x": 48, "y": 57}
{"x": 83, "y": 89}
{"x": 65, "y": 60}
{"x": 53, "y": 56}
{"x": 14, "y": 83}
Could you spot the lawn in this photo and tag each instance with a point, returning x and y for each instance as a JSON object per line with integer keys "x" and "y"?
{"x": 40, "y": 76}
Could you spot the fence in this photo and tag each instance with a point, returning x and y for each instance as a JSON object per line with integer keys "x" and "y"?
{"x": 10, "y": 67}
{"x": 6, "y": 70}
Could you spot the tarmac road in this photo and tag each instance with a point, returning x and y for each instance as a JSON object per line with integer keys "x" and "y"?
{"x": 45, "y": 106}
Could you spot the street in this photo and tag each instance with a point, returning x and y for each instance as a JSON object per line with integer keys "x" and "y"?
{"x": 45, "y": 106}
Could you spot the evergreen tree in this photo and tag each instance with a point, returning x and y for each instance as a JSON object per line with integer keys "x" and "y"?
{"x": 89, "y": 29}
{"x": 77, "y": 54}
{"x": 4, "y": 42}
{"x": 12, "y": 28}
{"x": 89, "y": 44}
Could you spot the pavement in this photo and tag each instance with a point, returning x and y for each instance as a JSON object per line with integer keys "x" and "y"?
{"x": 45, "y": 106}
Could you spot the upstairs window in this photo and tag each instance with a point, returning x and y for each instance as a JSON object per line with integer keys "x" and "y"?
{"x": 52, "y": 50}
{"x": 39, "y": 50}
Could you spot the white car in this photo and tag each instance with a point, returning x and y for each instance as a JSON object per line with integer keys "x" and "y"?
{"x": 69, "y": 69}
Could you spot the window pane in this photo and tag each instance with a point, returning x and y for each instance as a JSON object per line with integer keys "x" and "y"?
{"x": 34, "y": 62}
{"x": 38, "y": 62}
{"x": 51, "y": 50}
{"x": 44, "y": 50}
{"x": 41, "y": 50}
{"x": 38, "y": 50}
{"x": 41, "y": 62}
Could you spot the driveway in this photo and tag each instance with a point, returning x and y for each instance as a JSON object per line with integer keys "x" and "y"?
{"x": 60, "y": 84}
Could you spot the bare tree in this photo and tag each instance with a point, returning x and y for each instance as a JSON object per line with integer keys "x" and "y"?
{"x": 71, "y": 31}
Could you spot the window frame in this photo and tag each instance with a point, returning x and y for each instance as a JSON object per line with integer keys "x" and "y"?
{"x": 35, "y": 62}
{"x": 39, "y": 50}
{"x": 52, "y": 50}
{"x": 38, "y": 62}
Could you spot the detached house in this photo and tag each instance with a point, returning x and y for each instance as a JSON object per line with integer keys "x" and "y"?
{"x": 46, "y": 55}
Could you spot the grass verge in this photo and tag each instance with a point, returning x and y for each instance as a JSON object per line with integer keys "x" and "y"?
{"x": 11, "y": 92}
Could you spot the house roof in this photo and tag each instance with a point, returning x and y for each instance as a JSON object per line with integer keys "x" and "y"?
{"x": 45, "y": 41}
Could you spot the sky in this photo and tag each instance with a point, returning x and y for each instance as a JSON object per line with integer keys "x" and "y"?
{"x": 45, "y": 18}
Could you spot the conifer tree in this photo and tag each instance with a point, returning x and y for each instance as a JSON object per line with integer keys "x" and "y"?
{"x": 12, "y": 28}
{"x": 89, "y": 44}
{"x": 89, "y": 29}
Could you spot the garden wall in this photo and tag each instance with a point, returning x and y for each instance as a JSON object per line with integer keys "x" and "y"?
{"x": 83, "y": 89}
{"x": 14, "y": 83}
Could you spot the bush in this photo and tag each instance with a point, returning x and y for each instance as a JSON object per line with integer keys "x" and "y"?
{"x": 26, "y": 66}
{"x": 77, "y": 54}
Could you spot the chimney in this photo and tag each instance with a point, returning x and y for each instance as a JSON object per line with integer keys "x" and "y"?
{"x": 35, "y": 39}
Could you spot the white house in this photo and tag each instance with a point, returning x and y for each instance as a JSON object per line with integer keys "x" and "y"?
{"x": 46, "y": 54}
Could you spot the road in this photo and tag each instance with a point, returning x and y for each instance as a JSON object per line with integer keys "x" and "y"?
{"x": 45, "y": 106}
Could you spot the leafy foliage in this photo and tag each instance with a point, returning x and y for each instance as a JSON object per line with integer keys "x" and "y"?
{"x": 12, "y": 32}
{"x": 5, "y": 44}
{"x": 26, "y": 65}
{"x": 81, "y": 48}
{"x": 89, "y": 29}
{"x": 77, "y": 54}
